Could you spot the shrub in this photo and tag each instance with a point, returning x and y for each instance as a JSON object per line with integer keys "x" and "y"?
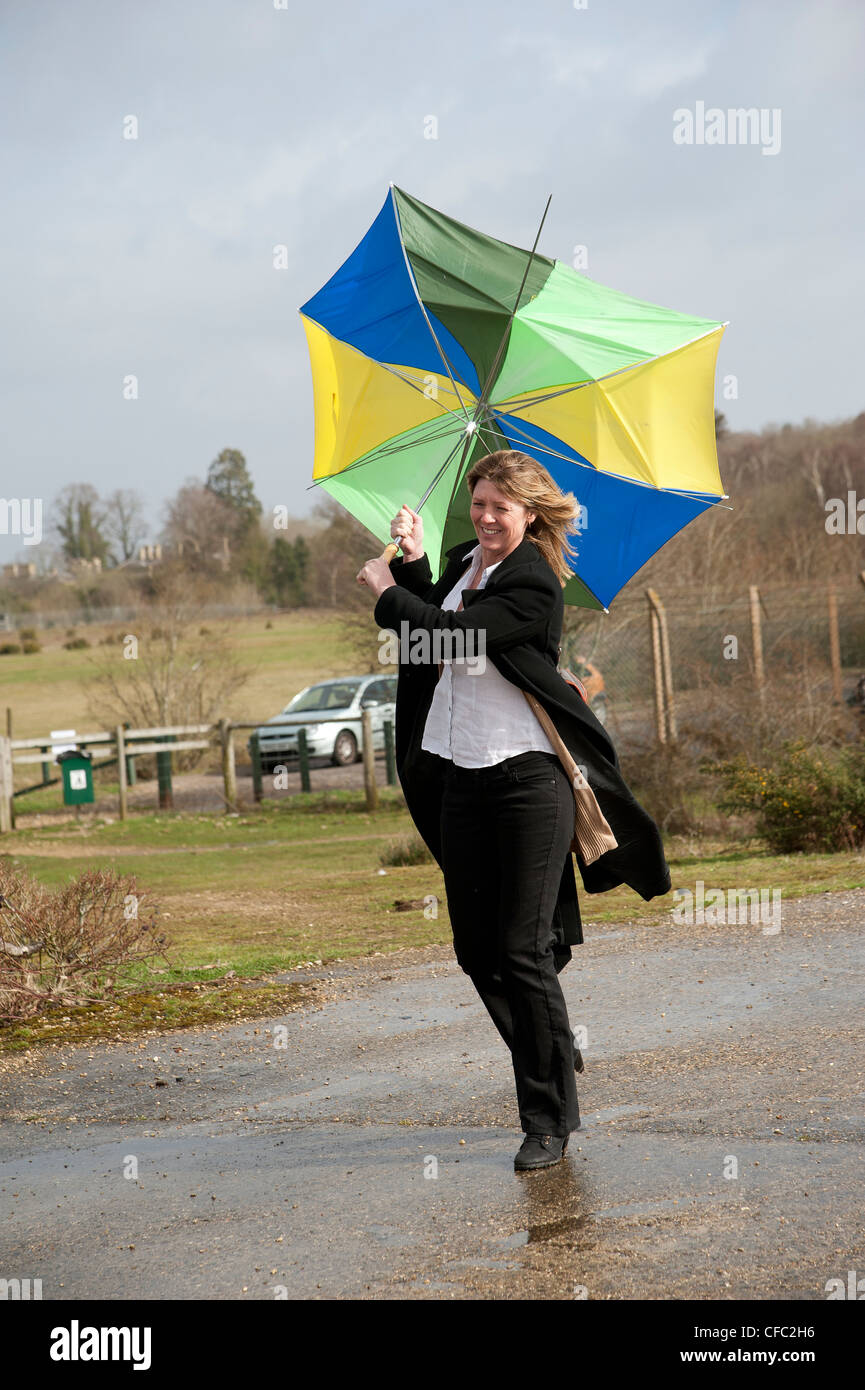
{"x": 29, "y": 647}
{"x": 9, "y": 649}
{"x": 27, "y": 634}
{"x": 76, "y": 644}
{"x": 668, "y": 784}
{"x": 406, "y": 852}
{"x": 805, "y": 801}
{"x": 64, "y": 946}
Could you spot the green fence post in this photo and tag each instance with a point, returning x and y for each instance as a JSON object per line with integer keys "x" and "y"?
{"x": 46, "y": 767}
{"x": 12, "y": 781}
{"x": 389, "y": 754}
{"x": 163, "y": 776}
{"x": 303, "y": 755}
{"x": 255, "y": 754}
{"x": 131, "y": 774}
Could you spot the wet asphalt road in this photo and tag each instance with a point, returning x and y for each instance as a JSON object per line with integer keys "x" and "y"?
{"x": 372, "y": 1155}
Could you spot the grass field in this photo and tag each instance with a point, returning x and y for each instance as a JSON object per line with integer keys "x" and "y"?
{"x": 49, "y": 689}
{"x": 293, "y": 882}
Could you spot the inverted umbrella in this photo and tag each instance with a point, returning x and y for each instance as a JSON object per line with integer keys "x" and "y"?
{"x": 434, "y": 344}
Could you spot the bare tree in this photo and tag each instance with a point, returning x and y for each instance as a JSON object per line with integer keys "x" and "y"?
{"x": 168, "y": 669}
{"x": 341, "y": 548}
{"x": 199, "y": 526}
{"x": 124, "y": 522}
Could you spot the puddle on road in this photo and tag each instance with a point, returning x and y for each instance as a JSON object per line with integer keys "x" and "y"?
{"x": 681, "y": 1204}
{"x": 566, "y": 1231}
{"x": 514, "y": 1241}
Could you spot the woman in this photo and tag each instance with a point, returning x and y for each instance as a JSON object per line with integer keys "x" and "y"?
{"x": 482, "y": 781}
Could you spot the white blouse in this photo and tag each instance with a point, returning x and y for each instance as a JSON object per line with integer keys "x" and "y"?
{"x": 479, "y": 720}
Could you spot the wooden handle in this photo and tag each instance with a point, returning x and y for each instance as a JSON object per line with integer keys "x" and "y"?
{"x": 390, "y": 551}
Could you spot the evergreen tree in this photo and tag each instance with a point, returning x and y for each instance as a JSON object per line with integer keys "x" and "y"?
{"x": 287, "y": 571}
{"x": 228, "y": 478}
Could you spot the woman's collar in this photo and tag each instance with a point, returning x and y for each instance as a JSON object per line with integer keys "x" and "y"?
{"x": 525, "y": 552}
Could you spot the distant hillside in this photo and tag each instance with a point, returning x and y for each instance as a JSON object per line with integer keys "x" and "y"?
{"x": 779, "y": 482}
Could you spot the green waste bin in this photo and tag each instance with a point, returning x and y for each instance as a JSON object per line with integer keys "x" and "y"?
{"x": 77, "y": 776}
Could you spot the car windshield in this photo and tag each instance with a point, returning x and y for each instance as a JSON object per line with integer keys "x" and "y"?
{"x": 323, "y": 697}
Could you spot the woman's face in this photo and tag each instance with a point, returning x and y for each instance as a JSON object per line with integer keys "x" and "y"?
{"x": 499, "y": 523}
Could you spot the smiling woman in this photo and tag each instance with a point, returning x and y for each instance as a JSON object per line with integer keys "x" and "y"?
{"x": 500, "y": 523}
{"x": 514, "y": 497}
{"x": 484, "y": 784}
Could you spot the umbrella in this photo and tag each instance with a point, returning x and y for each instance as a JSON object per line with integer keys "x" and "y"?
{"x": 434, "y": 344}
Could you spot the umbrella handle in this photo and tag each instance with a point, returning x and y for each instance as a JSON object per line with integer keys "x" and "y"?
{"x": 390, "y": 550}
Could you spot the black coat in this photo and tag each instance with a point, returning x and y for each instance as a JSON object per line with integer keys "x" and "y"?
{"x": 520, "y": 610}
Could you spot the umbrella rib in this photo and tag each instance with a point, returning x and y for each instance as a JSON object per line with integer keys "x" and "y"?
{"x": 422, "y": 306}
{"x": 479, "y": 430}
{"x": 595, "y": 381}
{"x": 601, "y": 472}
{"x": 387, "y": 448}
{"x": 555, "y": 453}
{"x": 437, "y": 476}
{"x": 484, "y": 396}
{"x": 490, "y": 304}
{"x": 415, "y": 387}
{"x": 521, "y": 403}
{"x": 481, "y": 403}
{"x": 394, "y": 371}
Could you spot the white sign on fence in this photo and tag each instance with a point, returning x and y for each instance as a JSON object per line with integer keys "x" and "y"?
{"x": 60, "y": 741}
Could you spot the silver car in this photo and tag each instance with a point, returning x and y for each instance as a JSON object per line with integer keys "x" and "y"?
{"x": 337, "y": 734}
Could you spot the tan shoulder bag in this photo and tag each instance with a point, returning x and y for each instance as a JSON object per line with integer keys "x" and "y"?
{"x": 592, "y": 834}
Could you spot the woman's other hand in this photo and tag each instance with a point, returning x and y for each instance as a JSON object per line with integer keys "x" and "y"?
{"x": 376, "y": 576}
{"x": 409, "y": 525}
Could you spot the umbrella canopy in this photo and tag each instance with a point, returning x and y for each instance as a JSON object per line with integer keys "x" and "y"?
{"x": 434, "y": 344}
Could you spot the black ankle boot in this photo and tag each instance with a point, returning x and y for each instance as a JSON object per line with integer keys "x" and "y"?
{"x": 540, "y": 1151}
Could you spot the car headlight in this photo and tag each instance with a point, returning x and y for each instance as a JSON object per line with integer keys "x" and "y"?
{"x": 311, "y": 730}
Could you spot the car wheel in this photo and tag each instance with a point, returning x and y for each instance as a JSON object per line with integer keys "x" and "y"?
{"x": 344, "y": 749}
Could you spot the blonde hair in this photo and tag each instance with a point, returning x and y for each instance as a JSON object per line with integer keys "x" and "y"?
{"x": 520, "y": 478}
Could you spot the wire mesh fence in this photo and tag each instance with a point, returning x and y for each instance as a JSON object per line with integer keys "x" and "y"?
{"x": 758, "y": 639}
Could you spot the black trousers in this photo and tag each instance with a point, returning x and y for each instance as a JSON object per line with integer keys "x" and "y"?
{"x": 506, "y": 831}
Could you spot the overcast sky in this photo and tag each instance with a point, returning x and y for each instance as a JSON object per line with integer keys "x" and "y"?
{"x": 261, "y": 126}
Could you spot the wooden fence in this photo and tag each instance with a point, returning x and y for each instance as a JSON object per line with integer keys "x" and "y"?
{"x": 122, "y": 746}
